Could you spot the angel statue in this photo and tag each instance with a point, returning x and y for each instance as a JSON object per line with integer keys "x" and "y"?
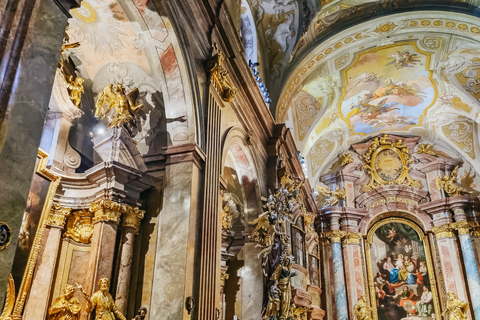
{"x": 456, "y": 309}
{"x": 124, "y": 106}
{"x": 334, "y": 196}
{"x": 72, "y": 82}
{"x": 362, "y": 310}
{"x": 449, "y": 184}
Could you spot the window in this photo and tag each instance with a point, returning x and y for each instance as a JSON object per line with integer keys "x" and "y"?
{"x": 298, "y": 246}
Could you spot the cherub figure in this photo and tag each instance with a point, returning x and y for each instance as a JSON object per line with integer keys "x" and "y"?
{"x": 449, "y": 184}
{"x": 403, "y": 59}
{"x": 124, "y": 105}
{"x": 456, "y": 309}
{"x": 334, "y": 196}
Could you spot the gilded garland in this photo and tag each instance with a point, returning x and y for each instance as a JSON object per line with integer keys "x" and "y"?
{"x": 387, "y": 163}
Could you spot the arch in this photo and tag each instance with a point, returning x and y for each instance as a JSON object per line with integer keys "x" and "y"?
{"x": 420, "y": 218}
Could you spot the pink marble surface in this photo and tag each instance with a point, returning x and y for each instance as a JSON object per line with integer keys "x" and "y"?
{"x": 447, "y": 267}
{"x": 357, "y": 263}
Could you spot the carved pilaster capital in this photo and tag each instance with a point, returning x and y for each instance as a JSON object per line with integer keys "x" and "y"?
{"x": 58, "y": 215}
{"x": 106, "y": 210}
{"x": 335, "y": 235}
{"x": 463, "y": 227}
{"x": 352, "y": 237}
{"x": 132, "y": 216}
{"x": 444, "y": 231}
{"x": 223, "y": 276}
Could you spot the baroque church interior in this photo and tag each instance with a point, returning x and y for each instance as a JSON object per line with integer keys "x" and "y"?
{"x": 239, "y": 159}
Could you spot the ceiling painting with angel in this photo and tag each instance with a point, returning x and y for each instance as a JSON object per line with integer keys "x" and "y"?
{"x": 387, "y": 88}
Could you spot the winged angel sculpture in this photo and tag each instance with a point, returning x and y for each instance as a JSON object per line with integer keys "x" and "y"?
{"x": 449, "y": 184}
{"x": 276, "y": 256}
{"x": 333, "y": 196}
{"x": 124, "y": 106}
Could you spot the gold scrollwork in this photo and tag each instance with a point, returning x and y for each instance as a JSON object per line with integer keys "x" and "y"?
{"x": 227, "y": 218}
{"x": 9, "y": 299}
{"x": 220, "y": 77}
{"x": 132, "y": 217}
{"x": 424, "y": 239}
{"x": 80, "y": 226}
{"x": 334, "y": 196}
{"x": 335, "y": 235}
{"x": 387, "y": 163}
{"x": 106, "y": 210}
{"x": 352, "y": 237}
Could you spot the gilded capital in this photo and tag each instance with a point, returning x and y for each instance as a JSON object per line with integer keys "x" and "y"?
{"x": 223, "y": 276}
{"x": 58, "y": 215}
{"x": 335, "y": 235}
{"x": 463, "y": 227}
{"x": 106, "y": 210}
{"x": 444, "y": 231}
{"x": 132, "y": 216}
{"x": 352, "y": 237}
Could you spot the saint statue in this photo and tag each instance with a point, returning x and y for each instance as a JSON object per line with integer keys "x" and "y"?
{"x": 282, "y": 275}
{"x": 456, "y": 309}
{"x": 362, "y": 310}
{"x": 102, "y": 302}
{"x": 65, "y": 307}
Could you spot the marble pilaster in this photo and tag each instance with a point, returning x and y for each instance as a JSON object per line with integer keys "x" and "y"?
{"x": 470, "y": 263}
{"x": 31, "y": 38}
{"x": 335, "y": 237}
{"x": 353, "y": 269}
{"x": 105, "y": 220}
{"x": 131, "y": 223}
{"x": 252, "y": 280}
{"x": 175, "y": 259}
{"x": 36, "y": 306}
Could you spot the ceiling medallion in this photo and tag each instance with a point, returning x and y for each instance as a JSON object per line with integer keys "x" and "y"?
{"x": 387, "y": 163}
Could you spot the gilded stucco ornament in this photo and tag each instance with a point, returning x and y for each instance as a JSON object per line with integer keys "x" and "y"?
{"x": 449, "y": 184}
{"x": 220, "y": 77}
{"x": 443, "y": 231}
{"x": 9, "y": 300}
{"x": 335, "y": 235}
{"x": 388, "y": 162}
{"x": 351, "y": 237}
{"x": 345, "y": 158}
{"x": 106, "y": 210}
{"x": 426, "y": 149}
{"x": 333, "y": 196}
{"x": 58, "y": 215}
{"x": 132, "y": 217}
{"x": 119, "y": 106}
{"x": 227, "y": 218}
{"x": 298, "y": 313}
{"x": 80, "y": 226}
{"x": 65, "y": 306}
{"x": 72, "y": 82}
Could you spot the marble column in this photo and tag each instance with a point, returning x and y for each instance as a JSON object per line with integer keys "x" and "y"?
{"x": 105, "y": 220}
{"x": 335, "y": 237}
{"x": 470, "y": 263}
{"x": 30, "y": 41}
{"x": 450, "y": 261}
{"x": 352, "y": 255}
{"x": 131, "y": 224}
{"x": 36, "y": 306}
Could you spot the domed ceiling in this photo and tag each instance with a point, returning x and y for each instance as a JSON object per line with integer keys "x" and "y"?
{"x": 408, "y": 74}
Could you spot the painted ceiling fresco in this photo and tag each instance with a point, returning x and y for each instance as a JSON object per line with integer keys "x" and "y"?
{"x": 410, "y": 74}
{"x": 387, "y": 88}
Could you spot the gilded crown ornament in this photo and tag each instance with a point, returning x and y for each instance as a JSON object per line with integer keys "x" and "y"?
{"x": 388, "y": 162}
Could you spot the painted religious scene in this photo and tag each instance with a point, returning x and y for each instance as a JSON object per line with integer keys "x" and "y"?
{"x": 386, "y": 89}
{"x": 401, "y": 279}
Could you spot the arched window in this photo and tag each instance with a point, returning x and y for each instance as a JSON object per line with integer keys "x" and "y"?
{"x": 298, "y": 243}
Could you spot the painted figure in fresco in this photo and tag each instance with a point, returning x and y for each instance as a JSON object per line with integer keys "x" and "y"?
{"x": 362, "y": 310}
{"x": 424, "y": 306}
{"x": 392, "y": 271}
{"x": 424, "y": 271}
{"x": 65, "y": 307}
{"x": 103, "y": 303}
{"x": 456, "y": 309}
{"x": 403, "y": 59}
{"x": 407, "y": 295}
{"x": 282, "y": 275}
{"x": 142, "y": 312}
{"x": 409, "y": 266}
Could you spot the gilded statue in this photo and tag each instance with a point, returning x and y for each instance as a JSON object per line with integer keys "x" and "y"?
{"x": 72, "y": 82}
{"x": 362, "y": 310}
{"x": 456, "y": 309}
{"x": 281, "y": 277}
{"x": 103, "y": 303}
{"x": 65, "y": 307}
{"x": 334, "y": 196}
{"x": 426, "y": 149}
{"x": 449, "y": 184}
{"x": 124, "y": 106}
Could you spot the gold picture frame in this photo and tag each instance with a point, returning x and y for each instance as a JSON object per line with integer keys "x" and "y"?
{"x": 53, "y": 183}
{"x": 428, "y": 257}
